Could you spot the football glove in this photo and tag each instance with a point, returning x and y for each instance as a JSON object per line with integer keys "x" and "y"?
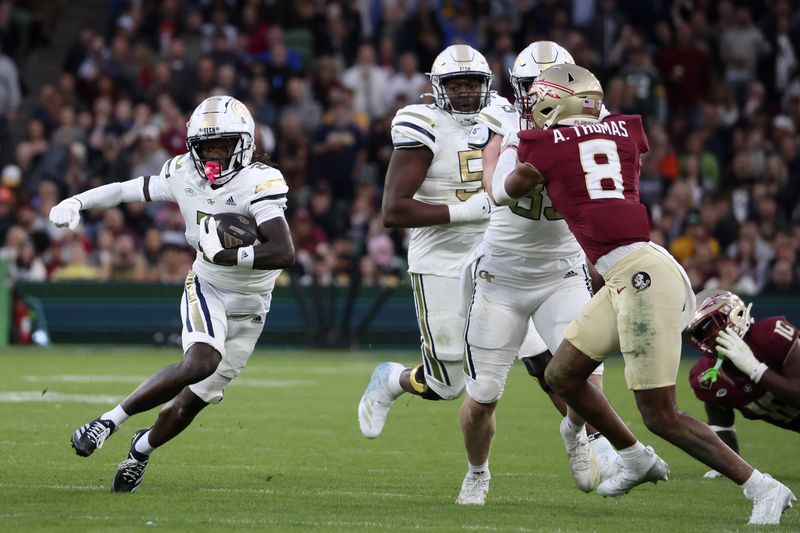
{"x": 209, "y": 241}
{"x": 732, "y": 346}
{"x": 66, "y": 214}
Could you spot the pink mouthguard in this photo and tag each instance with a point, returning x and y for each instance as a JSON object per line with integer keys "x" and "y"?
{"x": 212, "y": 171}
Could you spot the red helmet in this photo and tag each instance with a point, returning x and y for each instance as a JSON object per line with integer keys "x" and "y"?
{"x": 717, "y": 310}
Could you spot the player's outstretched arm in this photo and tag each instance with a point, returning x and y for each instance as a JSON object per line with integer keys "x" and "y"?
{"x": 785, "y": 386}
{"x": 67, "y": 212}
{"x": 276, "y": 252}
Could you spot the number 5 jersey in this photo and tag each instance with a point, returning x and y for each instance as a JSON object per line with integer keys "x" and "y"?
{"x": 455, "y": 174}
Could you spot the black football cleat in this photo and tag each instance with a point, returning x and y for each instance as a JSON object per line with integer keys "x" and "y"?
{"x": 91, "y": 436}
{"x": 131, "y": 470}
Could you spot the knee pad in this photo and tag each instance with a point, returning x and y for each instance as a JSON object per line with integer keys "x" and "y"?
{"x": 536, "y": 367}
{"x": 485, "y": 390}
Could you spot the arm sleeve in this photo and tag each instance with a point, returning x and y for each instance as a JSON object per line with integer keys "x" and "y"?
{"x": 113, "y": 194}
{"x": 505, "y": 166}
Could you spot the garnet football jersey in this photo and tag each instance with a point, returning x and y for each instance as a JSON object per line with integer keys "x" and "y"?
{"x": 770, "y": 339}
{"x": 592, "y": 177}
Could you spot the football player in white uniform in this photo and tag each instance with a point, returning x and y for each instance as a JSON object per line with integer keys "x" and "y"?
{"x": 433, "y": 185}
{"x": 529, "y": 270}
{"x": 228, "y": 291}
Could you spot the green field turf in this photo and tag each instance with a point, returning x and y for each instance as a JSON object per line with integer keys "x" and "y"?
{"x": 283, "y": 453}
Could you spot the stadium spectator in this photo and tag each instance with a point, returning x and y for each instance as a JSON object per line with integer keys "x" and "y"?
{"x": 732, "y": 146}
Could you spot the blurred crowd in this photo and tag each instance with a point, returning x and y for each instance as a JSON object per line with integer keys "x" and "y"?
{"x": 717, "y": 82}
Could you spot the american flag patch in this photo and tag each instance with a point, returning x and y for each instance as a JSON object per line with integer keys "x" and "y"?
{"x": 588, "y": 106}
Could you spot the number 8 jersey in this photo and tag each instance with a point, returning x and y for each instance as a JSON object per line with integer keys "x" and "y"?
{"x": 455, "y": 174}
{"x": 592, "y": 176}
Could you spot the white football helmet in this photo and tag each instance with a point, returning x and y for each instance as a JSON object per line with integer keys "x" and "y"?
{"x": 221, "y": 117}
{"x": 460, "y": 60}
{"x": 529, "y": 65}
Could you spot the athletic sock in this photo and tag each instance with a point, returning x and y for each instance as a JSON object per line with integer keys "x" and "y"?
{"x": 570, "y": 430}
{"x": 481, "y": 471}
{"x": 116, "y": 415}
{"x": 754, "y": 483}
{"x": 393, "y": 382}
{"x": 635, "y": 456}
{"x": 143, "y": 444}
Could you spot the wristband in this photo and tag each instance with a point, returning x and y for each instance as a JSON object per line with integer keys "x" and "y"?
{"x": 758, "y": 372}
{"x": 245, "y": 257}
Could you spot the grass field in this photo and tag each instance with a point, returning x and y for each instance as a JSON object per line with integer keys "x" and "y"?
{"x": 283, "y": 453}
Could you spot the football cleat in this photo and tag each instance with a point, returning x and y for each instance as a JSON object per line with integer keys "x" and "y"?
{"x": 583, "y": 464}
{"x": 473, "y": 490}
{"x": 606, "y": 456}
{"x": 770, "y": 502}
{"x": 376, "y": 401}
{"x": 626, "y": 477}
{"x": 131, "y": 470}
{"x": 91, "y": 436}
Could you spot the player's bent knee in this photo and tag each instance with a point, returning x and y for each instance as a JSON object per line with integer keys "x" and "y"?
{"x": 660, "y": 421}
{"x": 201, "y": 361}
{"x": 484, "y": 391}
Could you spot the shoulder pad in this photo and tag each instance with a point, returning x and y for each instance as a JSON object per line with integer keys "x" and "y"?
{"x": 479, "y": 136}
{"x": 499, "y": 118}
{"x": 262, "y": 180}
{"x": 496, "y": 99}
{"x": 414, "y": 126}
{"x": 179, "y": 163}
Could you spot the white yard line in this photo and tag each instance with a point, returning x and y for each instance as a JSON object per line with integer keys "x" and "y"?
{"x": 38, "y": 396}
{"x": 88, "y": 378}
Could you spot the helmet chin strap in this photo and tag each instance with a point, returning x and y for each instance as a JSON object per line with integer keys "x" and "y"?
{"x": 550, "y": 121}
{"x": 212, "y": 171}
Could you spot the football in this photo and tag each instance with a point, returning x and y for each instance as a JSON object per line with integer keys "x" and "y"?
{"x": 236, "y": 230}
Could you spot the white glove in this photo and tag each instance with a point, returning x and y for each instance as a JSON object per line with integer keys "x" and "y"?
{"x": 209, "y": 242}
{"x": 734, "y": 348}
{"x": 66, "y": 214}
{"x": 712, "y": 474}
{"x": 477, "y": 207}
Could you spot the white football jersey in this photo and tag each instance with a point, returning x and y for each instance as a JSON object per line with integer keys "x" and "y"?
{"x": 530, "y": 227}
{"x": 258, "y": 191}
{"x": 455, "y": 174}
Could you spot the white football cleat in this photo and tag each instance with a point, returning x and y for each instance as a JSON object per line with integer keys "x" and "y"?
{"x": 772, "y": 499}
{"x": 473, "y": 490}
{"x": 627, "y": 477}
{"x": 377, "y": 400}
{"x": 606, "y": 457}
{"x": 582, "y": 461}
